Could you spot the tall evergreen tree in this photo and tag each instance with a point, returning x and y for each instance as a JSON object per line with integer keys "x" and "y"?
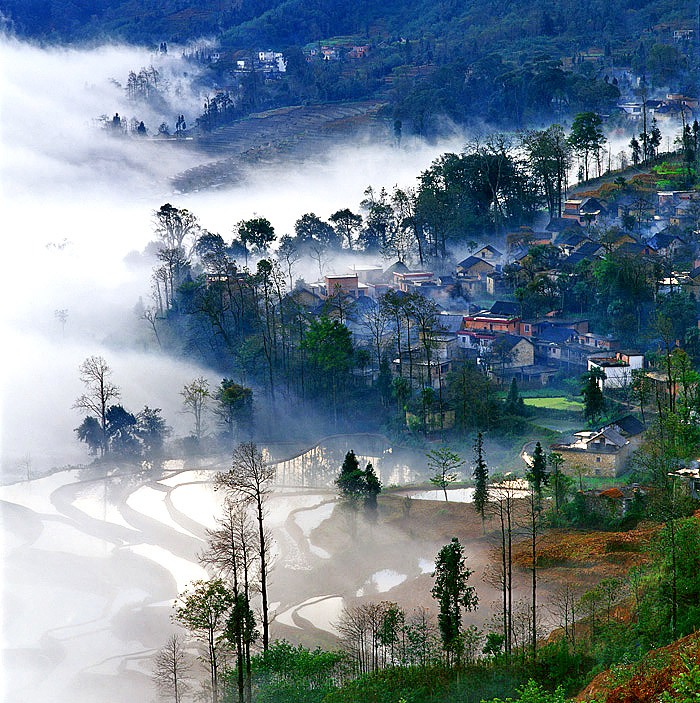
{"x": 593, "y": 399}
{"x": 371, "y": 489}
{"x": 350, "y": 480}
{"x": 481, "y": 477}
{"x": 538, "y": 476}
{"x": 452, "y": 594}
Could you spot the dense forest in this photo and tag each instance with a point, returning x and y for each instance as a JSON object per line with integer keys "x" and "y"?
{"x": 510, "y": 64}
{"x": 295, "y": 22}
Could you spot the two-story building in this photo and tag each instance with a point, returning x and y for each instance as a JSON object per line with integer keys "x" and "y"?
{"x": 601, "y": 452}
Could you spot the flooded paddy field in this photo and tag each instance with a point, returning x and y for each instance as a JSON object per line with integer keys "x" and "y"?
{"x": 93, "y": 564}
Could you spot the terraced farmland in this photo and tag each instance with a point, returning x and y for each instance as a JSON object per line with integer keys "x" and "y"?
{"x": 294, "y": 132}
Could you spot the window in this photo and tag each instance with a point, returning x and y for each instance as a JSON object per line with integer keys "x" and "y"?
{"x": 597, "y": 459}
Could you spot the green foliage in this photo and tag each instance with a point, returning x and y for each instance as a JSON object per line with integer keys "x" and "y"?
{"x": 532, "y": 692}
{"x": 593, "y": 399}
{"x": 203, "y": 608}
{"x": 234, "y": 406}
{"x": 443, "y": 463}
{"x": 453, "y": 594}
{"x": 328, "y": 343}
{"x": 481, "y": 476}
{"x": 537, "y": 475}
{"x": 90, "y": 432}
{"x": 434, "y": 684}
{"x": 586, "y": 137}
{"x": 289, "y": 674}
{"x": 355, "y": 485}
{"x": 685, "y": 687}
{"x": 677, "y": 556}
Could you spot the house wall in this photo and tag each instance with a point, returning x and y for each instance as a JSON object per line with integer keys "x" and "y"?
{"x": 476, "y": 269}
{"x": 523, "y": 355}
{"x": 492, "y": 325}
{"x": 595, "y": 464}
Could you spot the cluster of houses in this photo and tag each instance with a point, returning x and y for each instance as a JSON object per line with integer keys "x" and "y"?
{"x": 676, "y": 106}
{"x": 336, "y": 51}
{"x": 272, "y": 64}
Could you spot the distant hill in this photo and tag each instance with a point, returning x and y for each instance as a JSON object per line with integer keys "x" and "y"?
{"x": 508, "y": 63}
{"x": 283, "y": 23}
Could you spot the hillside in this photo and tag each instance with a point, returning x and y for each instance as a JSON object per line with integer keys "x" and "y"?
{"x": 284, "y": 23}
{"x": 658, "y": 673}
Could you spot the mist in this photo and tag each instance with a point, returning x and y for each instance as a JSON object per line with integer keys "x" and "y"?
{"x": 76, "y": 201}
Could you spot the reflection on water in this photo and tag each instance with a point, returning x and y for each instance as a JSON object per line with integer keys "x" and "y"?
{"x": 457, "y": 495}
{"x": 386, "y": 579}
{"x": 318, "y": 466}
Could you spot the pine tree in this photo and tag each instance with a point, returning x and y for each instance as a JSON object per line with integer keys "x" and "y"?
{"x": 594, "y": 401}
{"x": 351, "y": 479}
{"x": 372, "y": 488}
{"x": 452, "y": 594}
{"x": 481, "y": 476}
{"x": 538, "y": 476}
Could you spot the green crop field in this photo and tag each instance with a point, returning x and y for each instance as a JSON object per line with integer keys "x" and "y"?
{"x": 558, "y": 403}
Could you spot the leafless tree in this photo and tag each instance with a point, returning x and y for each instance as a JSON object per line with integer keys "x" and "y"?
{"x": 195, "y": 396}
{"x": 563, "y": 607}
{"x": 230, "y": 555}
{"x": 501, "y": 504}
{"x": 250, "y": 479}
{"x": 289, "y": 253}
{"x": 62, "y": 317}
{"x": 319, "y": 253}
{"x": 376, "y": 320}
{"x": 175, "y": 264}
{"x": 150, "y": 315}
{"x": 171, "y": 669}
{"x": 95, "y": 375}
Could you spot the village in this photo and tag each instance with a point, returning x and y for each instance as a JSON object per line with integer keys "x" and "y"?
{"x": 482, "y": 321}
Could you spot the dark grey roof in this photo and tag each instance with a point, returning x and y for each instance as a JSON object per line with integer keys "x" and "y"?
{"x": 574, "y": 239}
{"x": 398, "y": 267}
{"x": 491, "y": 249}
{"x": 574, "y": 258}
{"x": 471, "y": 261}
{"x": 631, "y": 248}
{"x": 591, "y": 205}
{"x": 505, "y": 307}
{"x": 561, "y": 224}
{"x": 451, "y": 322}
{"x": 559, "y": 335}
{"x": 589, "y": 249}
{"x": 511, "y": 339}
{"x": 662, "y": 240}
{"x": 629, "y": 425}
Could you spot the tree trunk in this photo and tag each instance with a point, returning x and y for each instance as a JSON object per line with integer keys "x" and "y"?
{"x": 263, "y": 575}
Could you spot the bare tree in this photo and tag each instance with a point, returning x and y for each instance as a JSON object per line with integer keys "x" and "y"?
{"x": 250, "y": 479}
{"x": 319, "y": 254}
{"x": 95, "y": 375}
{"x": 62, "y": 317}
{"x": 563, "y": 607}
{"x": 289, "y": 253}
{"x": 150, "y": 315}
{"x": 230, "y": 556}
{"x": 171, "y": 669}
{"x": 502, "y": 496}
{"x": 376, "y": 320}
{"x": 195, "y": 396}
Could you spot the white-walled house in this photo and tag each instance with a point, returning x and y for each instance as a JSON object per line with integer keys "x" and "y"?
{"x": 618, "y": 369}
